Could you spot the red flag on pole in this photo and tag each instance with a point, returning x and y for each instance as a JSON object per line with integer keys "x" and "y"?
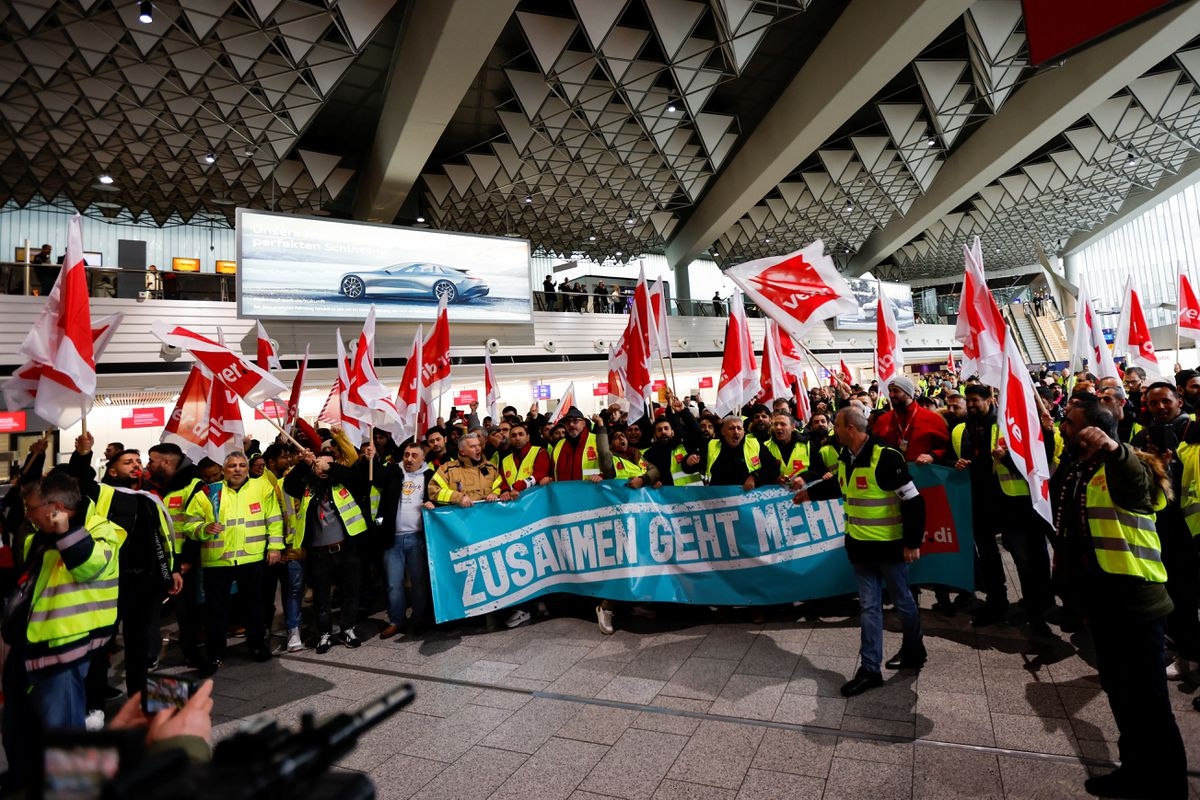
{"x": 491, "y": 389}
{"x": 953, "y": 370}
{"x": 225, "y": 428}
{"x": 889, "y": 358}
{"x": 773, "y": 380}
{"x": 366, "y": 390}
{"x": 564, "y": 405}
{"x": 1189, "y": 309}
{"x": 349, "y": 407}
{"x": 188, "y": 423}
{"x": 739, "y": 369}
{"x": 1022, "y": 428}
{"x": 635, "y": 345}
{"x": 660, "y": 336}
{"x": 616, "y": 376}
{"x": 435, "y": 354}
{"x": 409, "y": 398}
{"x": 1133, "y": 334}
{"x": 21, "y": 389}
{"x": 981, "y": 329}
{"x": 1088, "y": 339}
{"x": 247, "y": 380}
{"x": 847, "y": 375}
{"x": 293, "y": 406}
{"x": 268, "y": 357}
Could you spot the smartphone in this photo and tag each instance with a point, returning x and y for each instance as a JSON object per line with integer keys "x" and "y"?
{"x": 167, "y": 691}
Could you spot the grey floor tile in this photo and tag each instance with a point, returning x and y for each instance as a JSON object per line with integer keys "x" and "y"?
{"x": 441, "y": 699}
{"x": 1038, "y": 779}
{"x": 661, "y": 659}
{"x": 635, "y": 765}
{"x": 681, "y": 790}
{"x": 587, "y": 678}
{"x": 810, "y": 709}
{"x": 852, "y": 779}
{"x": 941, "y": 773}
{"x": 622, "y": 647}
{"x": 795, "y": 752}
{"x": 894, "y": 700}
{"x": 599, "y": 724}
{"x": 959, "y": 673}
{"x": 401, "y": 776}
{"x": 484, "y": 671}
{"x": 631, "y": 689}
{"x": 875, "y": 751}
{"x": 550, "y": 661}
{"x": 1034, "y": 734}
{"x": 886, "y": 727}
{"x": 672, "y": 723}
{"x": 953, "y": 717}
{"x": 749, "y": 697}
{"x": 764, "y": 785}
{"x": 772, "y": 656}
{"x": 531, "y": 726}
{"x": 498, "y": 698}
{"x": 822, "y": 675}
{"x": 553, "y": 772}
{"x": 582, "y": 795}
{"x": 1012, "y": 691}
{"x": 1090, "y": 715}
{"x": 700, "y": 678}
{"x": 840, "y": 642}
{"x": 726, "y": 641}
{"x": 718, "y": 754}
{"x": 478, "y": 773}
{"x": 456, "y": 734}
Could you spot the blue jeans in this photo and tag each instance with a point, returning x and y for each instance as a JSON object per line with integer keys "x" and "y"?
{"x": 48, "y": 699}
{"x": 871, "y": 577}
{"x": 407, "y": 556}
{"x": 293, "y": 593}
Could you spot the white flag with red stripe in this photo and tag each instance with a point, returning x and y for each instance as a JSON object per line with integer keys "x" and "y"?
{"x": 564, "y": 405}
{"x": 412, "y": 395}
{"x": 435, "y": 356}
{"x": 981, "y": 329}
{"x": 953, "y": 370}
{"x": 226, "y": 430}
{"x": 889, "y": 356}
{"x": 798, "y": 290}
{"x": 773, "y": 379}
{"x": 188, "y": 424}
{"x": 739, "y": 369}
{"x": 1189, "y": 309}
{"x": 1132, "y": 338}
{"x": 350, "y": 409}
{"x": 491, "y": 389}
{"x": 21, "y": 389}
{"x": 267, "y": 357}
{"x": 616, "y": 377}
{"x": 61, "y": 341}
{"x": 1088, "y": 340}
{"x": 635, "y": 349}
{"x": 660, "y": 334}
{"x": 247, "y": 380}
{"x": 366, "y": 390}
{"x": 1022, "y": 428}
{"x": 293, "y": 406}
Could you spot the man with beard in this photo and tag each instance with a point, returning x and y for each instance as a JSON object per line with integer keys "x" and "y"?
{"x": 436, "y": 453}
{"x": 956, "y": 410}
{"x": 818, "y": 435}
{"x": 735, "y": 459}
{"x": 1188, "y": 383}
{"x": 524, "y": 466}
{"x": 920, "y": 434}
{"x": 1113, "y": 398}
{"x": 1135, "y": 385}
{"x": 758, "y": 422}
{"x": 1001, "y": 502}
{"x": 1105, "y": 497}
{"x": 676, "y": 436}
{"x": 175, "y": 481}
{"x": 787, "y": 447}
{"x": 1167, "y": 435}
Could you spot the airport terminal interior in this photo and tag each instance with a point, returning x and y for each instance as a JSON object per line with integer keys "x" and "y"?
{"x": 275, "y": 164}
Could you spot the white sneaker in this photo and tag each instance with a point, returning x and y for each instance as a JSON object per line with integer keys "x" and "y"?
{"x": 518, "y": 617}
{"x": 294, "y": 644}
{"x": 604, "y": 618}
{"x": 94, "y": 721}
{"x": 1179, "y": 669}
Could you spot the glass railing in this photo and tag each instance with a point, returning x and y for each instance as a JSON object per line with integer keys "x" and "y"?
{"x": 37, "y": 279}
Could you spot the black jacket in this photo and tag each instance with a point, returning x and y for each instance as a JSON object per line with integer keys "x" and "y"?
{"x": 390, "y": 483}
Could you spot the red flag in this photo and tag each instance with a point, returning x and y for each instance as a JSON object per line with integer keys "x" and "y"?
{"x": 950, "y": 363}
{"x": 739, "y": 369}
{"x": 366, "y": 390}
{"x": 411, "y": 399}
{"x": 1133, "y": 334}
{"x": 773, "y": 380}
{"x": 60, "y": 341}
{"x": 980, "y": 328}
{"x": 188, "y": 423}
{"x": 349, "y": 408}
{"x": 564, "y": 405}
{"x": 247, "y": 380}
{"x": 798, "y": 290}
{"x": 635, "y": 347}
{"x": 293, "y": 406}
{"x": 435, "y": 356}
{"x": 660, "y": 335}
{"x": 1088, "y": 340}
{"x": 847, "y": 376}
{"x": 1022, "y": 428}
{"x": 889, "y": 358}
{"x": 616, "y": 376}
{"x": 267, "y": 358}
{"x": 491, "y": 389}
{"x": 225, "y": 428}
{"x": 21, "y": 389}
{"x": 1189, "y": 309}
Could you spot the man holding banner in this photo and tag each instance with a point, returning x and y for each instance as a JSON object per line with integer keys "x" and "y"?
{"x": 885, "y": 524}
{"x": 735, "y": 459}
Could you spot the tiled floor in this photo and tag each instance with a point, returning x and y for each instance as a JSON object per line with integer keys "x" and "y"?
{"x": 685, "y": 707}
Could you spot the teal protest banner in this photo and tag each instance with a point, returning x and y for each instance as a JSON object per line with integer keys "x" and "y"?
{"x": 712, "y": 545}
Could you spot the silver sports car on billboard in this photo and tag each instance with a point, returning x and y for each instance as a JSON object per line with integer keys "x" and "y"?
{"x": 414, "y": 279}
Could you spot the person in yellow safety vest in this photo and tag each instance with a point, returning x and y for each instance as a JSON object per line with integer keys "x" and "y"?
{"x": 246, "y": 538}
{"x": 63, "y": 609}
{"x": 1105, "y": 496}
{"x": 628, "y": 464}
{"x": 330, "y": 519}
{"x": 787, "y": 447}
{"x": 288, "y": 574}
{"x": 524, "y": 466}
{"x": 1001, "y": 504}
{"x": 735, "y": 459}
{"x": 497, "y": 445}
{"x": 676, "y": 436}
{"x": 885, "y": 524}
{"x": 174, "y": 479}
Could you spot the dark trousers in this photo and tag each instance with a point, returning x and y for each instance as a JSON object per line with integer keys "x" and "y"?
{"x": 189, "y": 614}
{"x": 1024, "y": 537}
{"x": 989, "y": 568}
{"x": 217, "y": 584}
{"x": 33, "y": 703}
{"x": 1129, "y": 658}
{"x": 275, "y": 579}
{"x": 325, "y": 568}
{"x": 1179, "y": 557}
{"x": 136, "y": 602}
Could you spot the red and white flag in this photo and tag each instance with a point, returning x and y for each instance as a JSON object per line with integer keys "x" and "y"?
{"x": 225, "y": 428}
{"x": 803, "y": 404}
{"x": 793, "y": 364}
{"x": 366, "y": 390}
{"x": 413, "y": 400}
{"x": 660, "y": 334}
{"x": 491, "y": 389}
{"x": 350, "y": 406}
{"x": 435, "y": 356}
{"x": 268, "y": 356}
{"x": 798, "y": 290}
{"x": 635, "y": 343}
{"x": 1088, "y": 341}
{"x": 1189, "y": 309}
{"x": 21, "y": 389}
{"x": 616, "y": 377}
{"x": 1132, "y": 338}
{"x": 773, "y": 379}
{"x": 247, "y": 380}
{"x": 1022, "y": 428}
{"x": 980, "y": 329}
{"x": 739, "y": 369}
{"x": 953, "y": 370}
{"x": 847, "y": 375}
{"x": 293, "y": 406}
{"x": 331, "y": 411}
{"x": 61, "y": 341}
{"x": 188, "y": 424}
{"x": 889, "y": 357}
{"x": 564, "y": 405}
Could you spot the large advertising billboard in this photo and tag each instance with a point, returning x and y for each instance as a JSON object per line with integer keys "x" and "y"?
{"x": 866, "y": 291}
{"x": 310, "y": 268}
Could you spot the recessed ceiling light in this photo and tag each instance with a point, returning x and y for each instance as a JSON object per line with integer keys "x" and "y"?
{"x": 106, "y": 179}
{"x": 145, "y": 12}
{"x": 592, "y": 238}
{"x": 671, "y": 107}
{"x": 420, "y": 219}
{"x": 210, "y": 158}
{"x": 1132, "y": 160}
{"x": 619, "y": 254}
{"x": 528, "y": 199}
{"x": 930, "y": 142}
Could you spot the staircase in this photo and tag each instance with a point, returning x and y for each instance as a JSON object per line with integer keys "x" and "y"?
{"x": 1027, "y": 337}
{"x": 1053, "y": 335}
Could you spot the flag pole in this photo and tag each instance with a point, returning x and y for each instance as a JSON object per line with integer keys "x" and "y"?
{"x": 1178, "y": 305}
{"x": 277, "y": 427}
{"x": 83, "y": 418}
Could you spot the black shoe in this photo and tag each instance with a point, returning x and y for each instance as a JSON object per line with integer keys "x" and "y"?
{"x": 209, "y": 668}
{"x": 260, "y": 653}
{"x": 112, "y": 693}
{"x": 1040, "y": 629}
{"x": 861, "y": 682}
{"x": 989, "y": 615}
{"x": 324, "y": 645}
{"x": 906, "y": 660}
{"x": 1120, "y": 784}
